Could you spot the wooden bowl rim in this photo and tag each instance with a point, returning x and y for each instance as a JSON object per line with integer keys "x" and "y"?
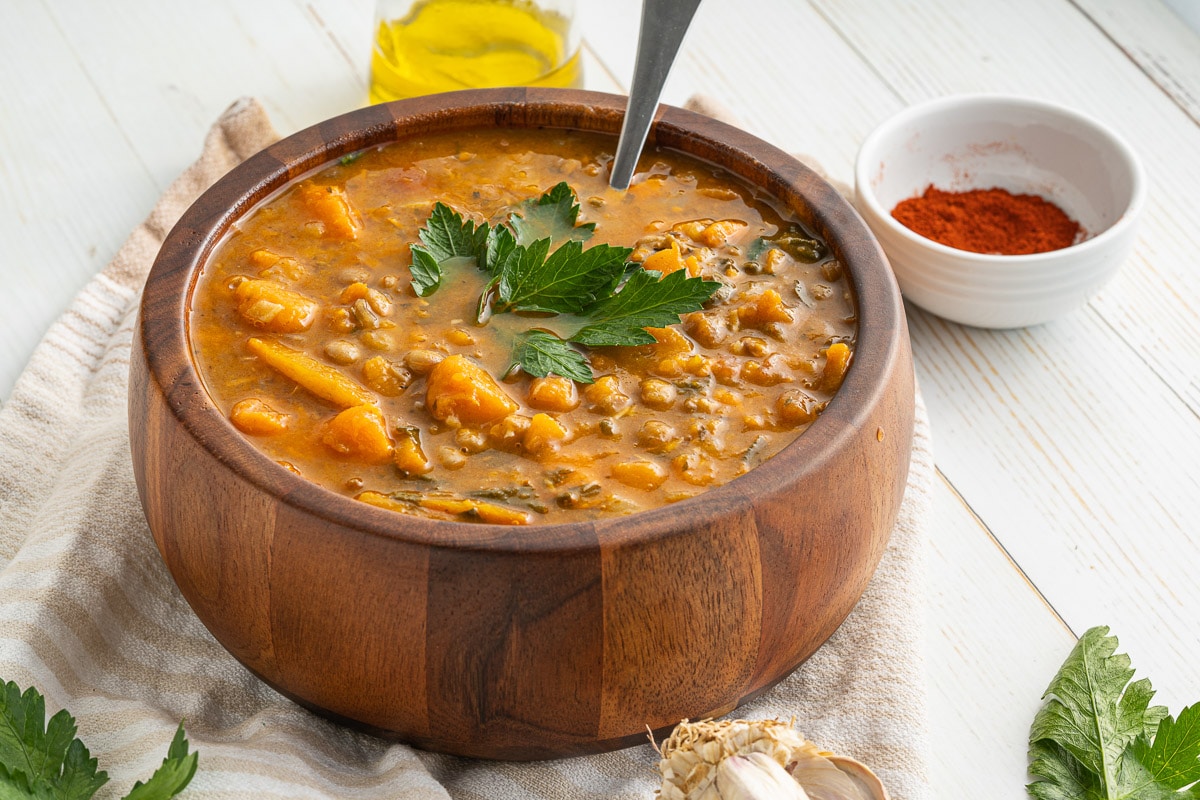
{"x": 163, "y": 324}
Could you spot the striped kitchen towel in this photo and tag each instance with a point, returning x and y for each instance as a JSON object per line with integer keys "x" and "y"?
{"x": 89, "y": 615}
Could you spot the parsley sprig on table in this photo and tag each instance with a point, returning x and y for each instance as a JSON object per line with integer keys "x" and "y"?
{"x": 45, "y": 761}
{"x": 1098, "y": 737}
{"x": 537, "y": 263}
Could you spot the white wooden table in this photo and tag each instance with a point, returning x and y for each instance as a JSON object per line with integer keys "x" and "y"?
{"x": 1068, "y": 454}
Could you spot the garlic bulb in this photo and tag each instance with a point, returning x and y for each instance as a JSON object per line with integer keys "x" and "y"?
{"x": 749, "y": 760}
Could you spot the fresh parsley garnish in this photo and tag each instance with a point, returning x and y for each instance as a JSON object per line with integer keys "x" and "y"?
{"x": 538, "y": 264}
{"x": 1098, "y": 738}
{"x": 501, "y": 241}
{"x": 645, "y": 300}
{"x": 540, "y": 354}
{"x": 42, "y": 760}
{"x": 446, "y": 236}
{"x": 568, "y": 281}
{"x": 551, "y": 216}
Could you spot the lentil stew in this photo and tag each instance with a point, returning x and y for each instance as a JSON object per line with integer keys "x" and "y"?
{"x": 308, "y": 334}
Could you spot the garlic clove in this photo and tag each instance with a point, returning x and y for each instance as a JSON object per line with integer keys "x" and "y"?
{"x": 755, "y": 776}
{"x": 822, "y": 779}
{"x": 862, "y": 775}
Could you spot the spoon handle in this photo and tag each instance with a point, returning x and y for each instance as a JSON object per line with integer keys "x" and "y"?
{"x": 664, "y": 23}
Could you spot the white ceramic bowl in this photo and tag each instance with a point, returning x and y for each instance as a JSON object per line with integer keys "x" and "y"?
{"x": 1022, "y": 145}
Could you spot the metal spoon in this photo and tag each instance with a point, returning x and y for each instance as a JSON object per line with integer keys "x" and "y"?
{"x": 664, "y": 23}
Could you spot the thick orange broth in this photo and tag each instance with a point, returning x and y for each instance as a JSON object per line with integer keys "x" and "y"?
{"x": 308, "y": 334}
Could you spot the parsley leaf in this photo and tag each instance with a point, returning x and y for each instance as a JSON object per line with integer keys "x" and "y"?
{"x": 1173, "y": 759}
{"x": 1063, "y": 778}
{"x": 426, "y": 271}
{"x": 499, "y": 244}
{"x": 39, "y": 758}
{"x": 1098, "y": 738}
{"x": 446, "y": 236}
{"x": 644, "y": 301}
{"x": 566, "y": 282}
{"x": 540, "y": 354}
{"x": 42, "y": 760}
{"x": 172, "y": 776}
{"x": 552, "y": 216}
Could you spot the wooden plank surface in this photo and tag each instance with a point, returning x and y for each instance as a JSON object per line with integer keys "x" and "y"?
{"x": 993, "y": 645}
{"x": 1152, "y": 36}
{"x": 64, "y": 210}
{"x": 1069, "y": 450}
{"x": 1070, "y": 439}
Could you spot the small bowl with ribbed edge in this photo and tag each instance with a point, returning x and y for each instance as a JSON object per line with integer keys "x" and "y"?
{"x": 1023, "y": 146}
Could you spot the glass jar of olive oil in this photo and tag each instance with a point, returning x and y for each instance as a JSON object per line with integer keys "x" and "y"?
{"x": 426, "y": 46}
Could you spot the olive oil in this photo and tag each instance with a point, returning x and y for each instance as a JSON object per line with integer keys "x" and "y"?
{"x": 444, "y": 45}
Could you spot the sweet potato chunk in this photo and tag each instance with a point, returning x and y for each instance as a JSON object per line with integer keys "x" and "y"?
{"x": 483, "y": 511}
{"x": 640, "y": 474}
{"x": 837, "y": 361}
{"x": 443, "y": 507}
{"x": 254, "y": 417}
{"x": 794, "y": 407}
{"x": 322, "y": 380}
{"x": 544, "y": 434}
{"x": 762, "y": 309}
{"x": 710, "y": 330}
{"x": 266, "y": 304}
{"x": 332, "y": 208}
{"x": 553, "y": 393}
{"x": 665, "y": 261}
{"x": 605, "y": 395}
{"x": 410, "y": 458}
{"x": 692, "y": 228}
{"x": 460, "y": 388}
{"x": 771, "y": 371}
{"x": 719, "y": 232}
{"x": 695, "y": 468}
{"x": 387, "y": 377}
{"x": 263, "y": 258}
{"x": 359, "y": 433}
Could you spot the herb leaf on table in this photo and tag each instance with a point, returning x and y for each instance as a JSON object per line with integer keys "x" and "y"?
{"x": 1098, "y": 738}
{"x": 172, "y": 776}
{"x": 42, "y": 760}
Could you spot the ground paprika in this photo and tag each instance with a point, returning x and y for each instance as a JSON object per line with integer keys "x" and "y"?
{"x": 988, "y": 221}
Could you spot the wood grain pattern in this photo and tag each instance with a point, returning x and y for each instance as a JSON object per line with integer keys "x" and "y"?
{"x": 546, "y": 641}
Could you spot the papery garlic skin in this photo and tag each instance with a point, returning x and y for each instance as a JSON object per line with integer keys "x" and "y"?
{"x": 756, "y": 776}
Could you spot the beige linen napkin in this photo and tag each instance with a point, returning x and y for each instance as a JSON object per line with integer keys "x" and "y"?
{"x": 89, "y": 615}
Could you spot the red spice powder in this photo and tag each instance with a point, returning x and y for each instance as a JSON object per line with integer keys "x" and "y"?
{"x": 988, "y": 221}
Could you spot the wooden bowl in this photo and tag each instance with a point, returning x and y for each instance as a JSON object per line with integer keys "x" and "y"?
{"x": 545, "y": 641}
